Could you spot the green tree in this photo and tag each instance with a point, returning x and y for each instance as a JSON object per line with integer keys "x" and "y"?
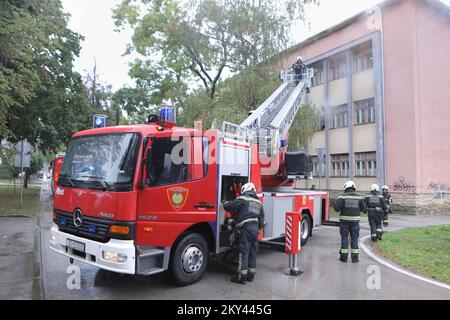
{"x": 203, "y": 39}
{"x": 306, "y": 123}
{"x": 41, "y": 98}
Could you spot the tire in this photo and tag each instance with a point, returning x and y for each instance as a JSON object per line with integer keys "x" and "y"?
{"x": 306, "y": 229}
{"x": 189, "y": 259}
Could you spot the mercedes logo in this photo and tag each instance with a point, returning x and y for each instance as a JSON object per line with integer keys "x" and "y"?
{"x": 77, "y": 218}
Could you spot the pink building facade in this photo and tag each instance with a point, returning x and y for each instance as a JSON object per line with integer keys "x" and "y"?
{"x": 394, "y": 61}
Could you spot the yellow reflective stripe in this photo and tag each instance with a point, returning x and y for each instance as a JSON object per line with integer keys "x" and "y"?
{"x": 350, "y": 218}
{"x": 249, "y": 199}
{"x": 344, "y": 250}
{"x": 350, "y": 197}
{"x": 355, "y": 250}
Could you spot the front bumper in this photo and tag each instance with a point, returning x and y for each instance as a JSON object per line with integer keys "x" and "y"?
{"x": 94, "y": 251}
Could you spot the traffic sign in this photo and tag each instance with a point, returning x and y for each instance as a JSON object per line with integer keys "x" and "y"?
{"x": 23, "y": 147}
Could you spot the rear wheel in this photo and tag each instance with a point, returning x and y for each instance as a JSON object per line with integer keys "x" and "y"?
{"x": 306, "y": 228}
{"x": 189, "y": 260}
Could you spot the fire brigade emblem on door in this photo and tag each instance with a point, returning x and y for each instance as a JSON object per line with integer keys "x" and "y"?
{"x": 177, "y": 197}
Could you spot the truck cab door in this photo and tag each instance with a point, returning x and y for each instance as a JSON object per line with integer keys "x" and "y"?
{"x": 178, "y": 189}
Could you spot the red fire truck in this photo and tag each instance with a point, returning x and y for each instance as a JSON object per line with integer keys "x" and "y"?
{"x": 142, "y": 199}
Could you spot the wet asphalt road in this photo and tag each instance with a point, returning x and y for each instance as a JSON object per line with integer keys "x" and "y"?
{"x": 324, "y": 276}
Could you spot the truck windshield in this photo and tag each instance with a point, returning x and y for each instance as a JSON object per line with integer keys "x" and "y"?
{"x": 105, "y": 162}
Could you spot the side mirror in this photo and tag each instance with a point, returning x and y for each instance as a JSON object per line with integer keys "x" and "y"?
{"x": 146, "y": 161}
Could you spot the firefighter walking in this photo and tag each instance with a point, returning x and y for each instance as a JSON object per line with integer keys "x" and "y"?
{"x": 247, "y": 216}
{"x": 376, "y": 207}
{"x": 349, "y": 205}
{"x": 388, "y": 199}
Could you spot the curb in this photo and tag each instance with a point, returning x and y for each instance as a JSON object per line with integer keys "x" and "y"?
{"x": 390, "y": 265}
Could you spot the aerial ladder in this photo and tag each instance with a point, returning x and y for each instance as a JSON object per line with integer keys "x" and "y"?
{"x": 268, "y": 126}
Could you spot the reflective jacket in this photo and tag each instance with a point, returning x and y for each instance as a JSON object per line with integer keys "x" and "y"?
{"x": 387, "y": 198}
{"x": 375, "y": 202}
{"x": 350, "y": 206}
{"x": 246, "y": 208}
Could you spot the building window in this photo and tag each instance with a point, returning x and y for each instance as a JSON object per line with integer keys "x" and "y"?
{"x": 318, "y": 74}
{"x": 337, "y": 67}
{"x": 339, "y": 165}
{"x": 315, "y": 166}
{"x": 365, "y": 111}
{"x": 362, "y": 57}
{"x": 339, "y": 117}
{"x": 366, "y": 164}
{"x": 322, "y": 122}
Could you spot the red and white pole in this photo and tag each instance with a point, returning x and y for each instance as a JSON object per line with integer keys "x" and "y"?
{"x": 292, "y": 247}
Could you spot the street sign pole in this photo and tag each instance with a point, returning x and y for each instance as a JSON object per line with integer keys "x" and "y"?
{"x": 21, "y": 174}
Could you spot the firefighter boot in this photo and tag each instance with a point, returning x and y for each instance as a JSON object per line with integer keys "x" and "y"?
{"x": 380, "y": 234}
{"x": 355, "y": 258}
{"x": 239, "y": 278}
{"x": 374, "y": 237}
{"x": 343, "y": 257}
{"x": 250, "y": 276}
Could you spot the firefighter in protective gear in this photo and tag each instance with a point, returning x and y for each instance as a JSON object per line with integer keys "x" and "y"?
{"x": 298, "y": 68}
{"x": 388, "y": 199}
{"x": 376, "y": 208}
{"x": 350, "y": 206}
{"x": 247, "y": 217}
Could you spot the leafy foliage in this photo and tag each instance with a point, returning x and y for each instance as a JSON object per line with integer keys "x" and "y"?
{"x": 204, "y": 39}
{"x": 41, "y": 98}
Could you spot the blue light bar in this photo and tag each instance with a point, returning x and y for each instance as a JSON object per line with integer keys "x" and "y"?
{"x": 167, "y": 114}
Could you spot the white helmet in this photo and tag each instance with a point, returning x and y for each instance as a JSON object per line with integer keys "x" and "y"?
{"x": 385, "y": 187}
{"x": 248, "y": 187}
{"x": 349, "y": 184}
{"x": 299, "y": 58}
{"x": 374, "y": 187}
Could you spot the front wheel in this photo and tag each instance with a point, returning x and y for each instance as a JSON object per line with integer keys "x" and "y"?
{"x": 306, "y": 229}
{"x": 189, "y": 260}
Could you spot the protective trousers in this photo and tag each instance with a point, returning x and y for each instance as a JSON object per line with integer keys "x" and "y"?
{"x": 247, "y": 244}
{"x": 347, "y": 228}
{"x": 376, "y": 231}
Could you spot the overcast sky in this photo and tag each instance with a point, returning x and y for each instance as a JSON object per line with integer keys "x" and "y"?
{"x": 93, "y": 20}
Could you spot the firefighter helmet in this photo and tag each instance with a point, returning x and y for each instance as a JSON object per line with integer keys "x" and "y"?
{"x": 300, "y": 59}
{"x": 385, "y": 187}
{"x": 349, "y": 184}
{"x": 248, "y": 187}
{"x": 374, "y": 187}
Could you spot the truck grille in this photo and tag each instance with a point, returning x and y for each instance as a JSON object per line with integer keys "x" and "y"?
{"x": 91, "y": 228}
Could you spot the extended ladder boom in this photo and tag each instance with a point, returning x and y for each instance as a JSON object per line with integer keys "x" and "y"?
{"x": 269, "y": 124}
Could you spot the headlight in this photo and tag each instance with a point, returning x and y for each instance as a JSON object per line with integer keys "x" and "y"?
{"x": 114, "y": 256}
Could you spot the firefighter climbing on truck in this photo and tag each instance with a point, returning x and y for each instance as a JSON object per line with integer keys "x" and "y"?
{"x": 248, "y": 219}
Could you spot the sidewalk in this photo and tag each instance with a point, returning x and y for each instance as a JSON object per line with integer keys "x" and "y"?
{"x": 20, "y": 261}
{"x": 19, "y": 258}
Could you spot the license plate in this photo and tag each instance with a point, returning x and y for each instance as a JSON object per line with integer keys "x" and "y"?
{"x": 75, "y": 245}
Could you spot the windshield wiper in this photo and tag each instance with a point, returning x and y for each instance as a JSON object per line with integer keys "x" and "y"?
{"x": 65, "y": 176}
{"x": 99, "y": 179}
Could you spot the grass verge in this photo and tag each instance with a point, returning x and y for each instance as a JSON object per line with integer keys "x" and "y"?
{"x": 424, "y": 250}
{"x": 9, "y": 201}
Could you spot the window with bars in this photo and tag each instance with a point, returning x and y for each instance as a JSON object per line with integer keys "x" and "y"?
{"x": 339, "y": 165}
{"x": 365, "y": 111}
{"x": 337, "y": 67}
{"x": 366, "y": 164}
{"x": 362, "y": 57}
{"x": 339, "y": 117}
{"x": 318, "y": 74}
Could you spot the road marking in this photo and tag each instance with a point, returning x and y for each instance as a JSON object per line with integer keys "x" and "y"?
{"x": 393, "y": 267}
